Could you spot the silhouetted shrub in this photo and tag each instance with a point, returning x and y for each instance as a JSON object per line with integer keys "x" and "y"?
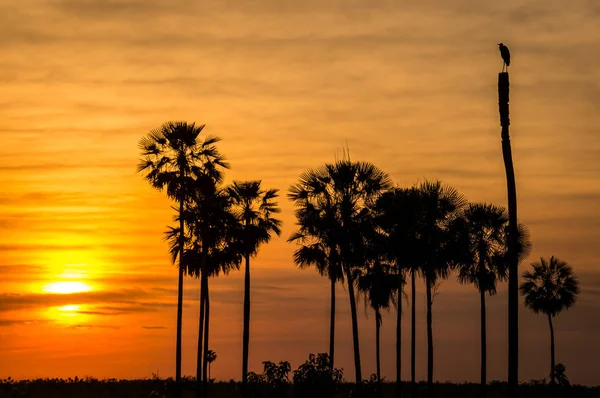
{"x": 315, "y": 379}
{"x": 272, "y": 383}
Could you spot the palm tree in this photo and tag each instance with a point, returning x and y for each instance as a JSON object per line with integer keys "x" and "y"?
{"x": 172, "y": 156}
{"x": 211, "y": 247}
{"x": 397, "y": 216}
{"x": 255, "y": 208}
{"x": 211, "y": 356}
{"x": 215, "y": 230}
{"x": 379, "y": 282}
{"x": 439, "y": 207}
{"x": 316, "y": 219}
{"x": 346, "y": 189}
{"x": 484, "y": 227}
{"x": 550, "y": 288}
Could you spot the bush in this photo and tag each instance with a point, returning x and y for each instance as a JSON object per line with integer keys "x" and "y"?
{"x": 316, "y": 379}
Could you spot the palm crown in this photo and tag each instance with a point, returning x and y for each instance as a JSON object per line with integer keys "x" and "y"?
{"x": 173, "y": 155}
{"x": 255, "y": 208}
{"x": 483, "y": 228}
{"x": 551, "y": 287}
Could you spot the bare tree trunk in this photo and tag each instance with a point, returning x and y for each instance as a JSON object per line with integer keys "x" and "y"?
{"x": 429, "y": 339}
{"x": 552, "y": 364}
{"x": 377, "y": 349}
{"x": 179, "y": 301}
{"x": 199, "y": 358}
{"x": 513, "y": 271}
{"x": 332, "y": 326}
{"x": 206, "y": 334}
{"x": 246, "y": 335}
{"x": 200, "y": 340}
{"x": 483, "y": 346}
{"x": 413, "y": 344}
{"x": 399, "y": 342}
{"x": 355, "y": 341}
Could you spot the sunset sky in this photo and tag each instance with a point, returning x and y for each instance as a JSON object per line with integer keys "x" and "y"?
{"x": 408, "y": 86}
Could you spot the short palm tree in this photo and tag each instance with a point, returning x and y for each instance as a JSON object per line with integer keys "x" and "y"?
{"x": 211, "y": 356}
{"x": 255, "y": 208}
{"x": 439, "y": 207}
{"x": 379, "y": 283}
{"x": 172, "y": 156}
{"x": 549, "y": 288}
{"x": 483, "y": 226}
{"x": 347, "y": 189}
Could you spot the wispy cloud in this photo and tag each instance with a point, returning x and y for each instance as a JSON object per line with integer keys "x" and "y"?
{"x": 123, "y": 301}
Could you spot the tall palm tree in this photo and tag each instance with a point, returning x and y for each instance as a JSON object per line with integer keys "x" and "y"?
{"x": 379, "y": 282}
{"x": 483, "y": 226}
{"x": 346, "y": 189}
{"x": 172, "y": 155}
{"x": 550, "y": 288}
{"x": 255, "y": 208}
{"x": 215, "y": 229}
{"x": 397, "y": 216}
{"x": 211, "y": 247}
{"x": 439, "y": 207}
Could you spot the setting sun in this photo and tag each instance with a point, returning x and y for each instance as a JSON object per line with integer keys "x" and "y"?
{"x": 67, "y": 287}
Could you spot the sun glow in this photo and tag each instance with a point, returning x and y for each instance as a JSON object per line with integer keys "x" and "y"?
{"x": 70, "y": 314}
{"x": 67, "y": 287}
{"x": 69, "y": 310}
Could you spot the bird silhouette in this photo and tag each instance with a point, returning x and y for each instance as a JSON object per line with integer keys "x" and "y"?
{"x": 505, "y": 56}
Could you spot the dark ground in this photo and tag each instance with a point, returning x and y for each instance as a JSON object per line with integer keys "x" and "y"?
{"x": 91, "y": 388}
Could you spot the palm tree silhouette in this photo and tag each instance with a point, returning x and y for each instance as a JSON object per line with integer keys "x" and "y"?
{"x": 215, "y": 230}
{"x": 211, "y": 356}
{"x": 397, "y": 216}
{"x": 440, "y": 206}
{"x": 211, "y": 247}
{"x": 550, "y": 288}
{"x": 254, "y": 207}
{"x": 172, "y": 156}
{"x": 379, "y": 282}
{"x": 484, "y": 227}
{"x": 316, "y": 215}
{"x": 346, "y": 189}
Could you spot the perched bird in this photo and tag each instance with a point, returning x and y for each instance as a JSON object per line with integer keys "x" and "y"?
{"x": 505, "y": 56}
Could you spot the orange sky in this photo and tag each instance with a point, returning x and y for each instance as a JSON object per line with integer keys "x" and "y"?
{"x": 411, "y": 88}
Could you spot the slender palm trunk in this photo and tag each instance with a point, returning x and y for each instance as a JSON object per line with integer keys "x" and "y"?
{"x": 483, "y": 346}
{"x": 332, "y": 326}
{"x": 206, "y": 334}
{"x": 399, "y": 342}
{"x": 377, "y": 350}
{"x": 429, "y": 339}
{"x": 354, "y": 329}
{"x": 413, "y": 344}
{"x": 513, "y": 271}
{"x": 199, "y": 358}
{"x": 179, "y": 302}
{"x": 246, "y": 335}
{"x": 200, "y": 339}
{"x": 552, "y": 378}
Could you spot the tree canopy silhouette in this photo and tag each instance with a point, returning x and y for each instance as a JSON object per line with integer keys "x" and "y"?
{"x": 549, "y": 288}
